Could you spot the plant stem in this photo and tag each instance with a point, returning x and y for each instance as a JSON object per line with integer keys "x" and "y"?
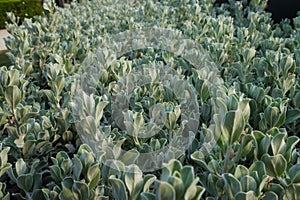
{"x": 227, "y": 157}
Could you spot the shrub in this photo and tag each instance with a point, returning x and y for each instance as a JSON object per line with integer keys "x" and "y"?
{"x": 21, "y": 8}
{"x": 88, "y": 85}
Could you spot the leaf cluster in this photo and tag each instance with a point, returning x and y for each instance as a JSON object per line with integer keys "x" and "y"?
{"x": 242, "y": 92}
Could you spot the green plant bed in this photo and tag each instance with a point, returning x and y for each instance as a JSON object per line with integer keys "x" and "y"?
{"x": 151, "y": 100}
{"x": 4, "y": 60}
{"x": 22, "y": 9}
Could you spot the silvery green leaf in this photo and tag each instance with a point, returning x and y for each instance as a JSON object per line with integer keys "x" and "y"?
{"x": 291, "y": 142}
{"x": 133, "y": 180}
{"x": 269, "y": 195}
{"x": 275, "y": 165}
{"x": 112, "y": 167}
{"x": 213, "y": 166}
{"x": 20, "y": 141}
{"x": 292, "y": 116}
{"x": 13, "y": 96}
{"x": 4, "y": 155}
{"x": 165, "y": 191}
{"x": 29, "y": 148}
{"x": 198, "y": 157}
{"x": 246, "y": 145}
{"x": 14, "y": 77}
{"x": 56, "y": 173}
{"x": 129, "y": 157}
{"x": 246, "y": 195}
{"x": 147, "y": 196}
{"x": 4, "y": 166}
{"x": 292, "y": 191}
{"x": 232, "y": 185}
{"x": 294, "y": 173}
{"x": 248, "y": 183}
{"x": 258, "y": 172}
{"x": 278, "y": 189}
{"x": 80, "y": 190}
{"x": 248, "y": 54}
{"x": 278, "y": 144}
{"x": 25, "y": 182}
{"x": 194, "y": 191}
{"x": 93, "y": 175}
{"x": 262, "y": 143}
{"x": 178, "y": 185}
{"x": 66, "y": 193}
{"x": 171, "y": 167}
{"x": 241, "y": 171}
{"x": 118, "y": 188}
{"x": 99, "y": 110}
{"x": 50, "y": 95}
{"x": 232, "y": 126}
{"x": 77, "y": 167}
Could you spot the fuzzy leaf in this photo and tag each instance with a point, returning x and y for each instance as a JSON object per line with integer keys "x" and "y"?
{"x": 187, "y": 175}
{"x": 93, "y": 175}
{"x": 294, "y": 173}
{"x": 77, "y": 167}
{"x": 80, "y": 190}
{"x": 148, "y": 181}
{"x": 25, "y": 182}
{"x": 270, "y": 196}
{"x": 165, "y": 191}
{"x": 248, "y": 183}
{"x": 278, "y": 143}
{"x": 56, "y": 174}
{"x": 13, "y": 96}
{"x": 118, "y": 188}
{"x": 133, "y": 179}
{"x": 292, "y": 116}
{"x": 232, "y": 185}
{"x": 21, "y": 167}
{"x": 178, "y": 185}
{"x": 130, "y": 157}
{"x": 292, "y": 192}
{"x": 246, "y": 195}
{"x": 147, "y": 196}
{"x": 194, "y": 191}
{"x": 66, "y": 193}
{"x": 3, "y": 161}
{"x": 232, "y": 126}
{"x": 275, "y": 165}
{"x": 241, "y": 171}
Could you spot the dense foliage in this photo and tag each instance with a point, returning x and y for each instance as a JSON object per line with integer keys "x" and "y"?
{"x": 235, "y": 93}
{"x": 21, "y": 8}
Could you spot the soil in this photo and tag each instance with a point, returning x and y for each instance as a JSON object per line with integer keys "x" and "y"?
{"x": 3, "y": 34}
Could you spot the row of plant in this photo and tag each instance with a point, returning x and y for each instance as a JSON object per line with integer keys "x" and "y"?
{"x": 177, "y": 99}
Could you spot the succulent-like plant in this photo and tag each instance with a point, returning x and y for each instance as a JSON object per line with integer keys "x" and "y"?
{"x": 211, "y": 92}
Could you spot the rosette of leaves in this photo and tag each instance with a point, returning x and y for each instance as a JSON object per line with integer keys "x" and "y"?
{"x": 270, "y": 154}
{"x": 140, "y": 83}
{"x": 176, "y": 182}
{"x": 127, "y": 182}
{"x": 76, "y": 178}
{"x": 150, "y": 105}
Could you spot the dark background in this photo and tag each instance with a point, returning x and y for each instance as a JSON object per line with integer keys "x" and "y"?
{"x": 280, "y": 9}
{"x": 283, "y": 9}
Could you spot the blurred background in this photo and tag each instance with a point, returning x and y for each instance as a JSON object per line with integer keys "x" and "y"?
{"x": 280, "y": 9}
